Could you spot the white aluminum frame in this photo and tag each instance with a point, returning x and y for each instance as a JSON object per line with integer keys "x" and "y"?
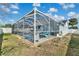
{"x": 35, "y": 23}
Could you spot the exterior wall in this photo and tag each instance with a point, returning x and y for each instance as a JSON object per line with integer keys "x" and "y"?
{"x": 63, "y": 30}
{"x": 7, "y": 30}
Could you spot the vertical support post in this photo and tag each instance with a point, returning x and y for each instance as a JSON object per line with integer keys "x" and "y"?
{"x": 49, "y": 25}
{"x": 54, "y": 28}
{"x": 17, "y": 27}
{"x": 23, "y": 27}
{"x": 34, "y": 24}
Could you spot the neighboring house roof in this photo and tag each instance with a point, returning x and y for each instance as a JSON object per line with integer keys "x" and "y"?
{"x": 63, "y": 22}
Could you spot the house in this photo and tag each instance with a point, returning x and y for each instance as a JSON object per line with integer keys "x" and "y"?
{"x": 6, "y": 30}
{"x": 63, "y": 28}
{"x": 36, "y": 25}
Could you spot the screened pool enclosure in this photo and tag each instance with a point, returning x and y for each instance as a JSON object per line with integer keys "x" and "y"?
{"x": 36, "y": 26}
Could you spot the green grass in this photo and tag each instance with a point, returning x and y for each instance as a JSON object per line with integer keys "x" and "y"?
{"x": 1, "y": 35}
{"x": 73, "y": 49}
{"x": 1, "y": 39}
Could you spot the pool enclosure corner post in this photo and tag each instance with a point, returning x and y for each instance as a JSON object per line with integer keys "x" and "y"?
{"x": 35, "y": 24}
{"x": 49, "y": 24}
{"x": 49, "y": 27}
{"x": 23, "y": 27}
{"x": 16, "y": 28}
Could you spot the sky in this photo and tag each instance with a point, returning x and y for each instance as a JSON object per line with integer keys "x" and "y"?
{"x": 12, "y": 12}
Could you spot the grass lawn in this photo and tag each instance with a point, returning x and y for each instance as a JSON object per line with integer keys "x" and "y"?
{"x": 1, "y": 39}
{"x": 12, "y": 45}
{"x": 73, "y": 49}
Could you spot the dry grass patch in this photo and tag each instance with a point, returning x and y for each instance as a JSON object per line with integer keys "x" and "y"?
{"x": 15, "y": 46}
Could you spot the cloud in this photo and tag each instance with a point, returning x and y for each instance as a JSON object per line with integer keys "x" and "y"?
{"x": 14, "y": 6}
{"x": 11, "y": 20}
{"x": 67, "y": 6}
{"x": 71, "y": 14}
{"x": 7, "y": 9}
{"x": 56, "y": 17}
{"x": 36, "y": 4}
{"x": 59, "y": 17}
{"x": 4, "y": 8}
{"x": 72, "y": 5}
{"x": 14, "y": 12}
{"x": 1, "y": 22}
{"x": 52, "y": 10}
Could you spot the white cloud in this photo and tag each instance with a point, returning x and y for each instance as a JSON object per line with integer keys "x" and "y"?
{"x": 56, "y": 17}
{"x": 2, "y": 6}
{"x": 59, "y": 17}
{"x": 72, "y": 5}
{"x": 14, "y": 6}
{"x": 6, "y": 9}
{"x": 62, "y": 17}
{"x": 36, "y": 4}
{"x": 53, "y": 10}
{"x": 15, "y": 12}
{"x": 1, "y": 22}
{"x": 67, "y": 6}
{"x": 11, "y": 20}
{"x": 71, "y": 14}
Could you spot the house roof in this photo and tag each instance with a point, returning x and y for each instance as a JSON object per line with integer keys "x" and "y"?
{"x": 63, "y": 22}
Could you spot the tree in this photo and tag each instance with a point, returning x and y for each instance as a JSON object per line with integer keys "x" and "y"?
{"x": 73, "y": 23}
{"x": 7, "y": 26}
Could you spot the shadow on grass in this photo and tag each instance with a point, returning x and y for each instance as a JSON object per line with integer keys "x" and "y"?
{"x": 1, "y": 40}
